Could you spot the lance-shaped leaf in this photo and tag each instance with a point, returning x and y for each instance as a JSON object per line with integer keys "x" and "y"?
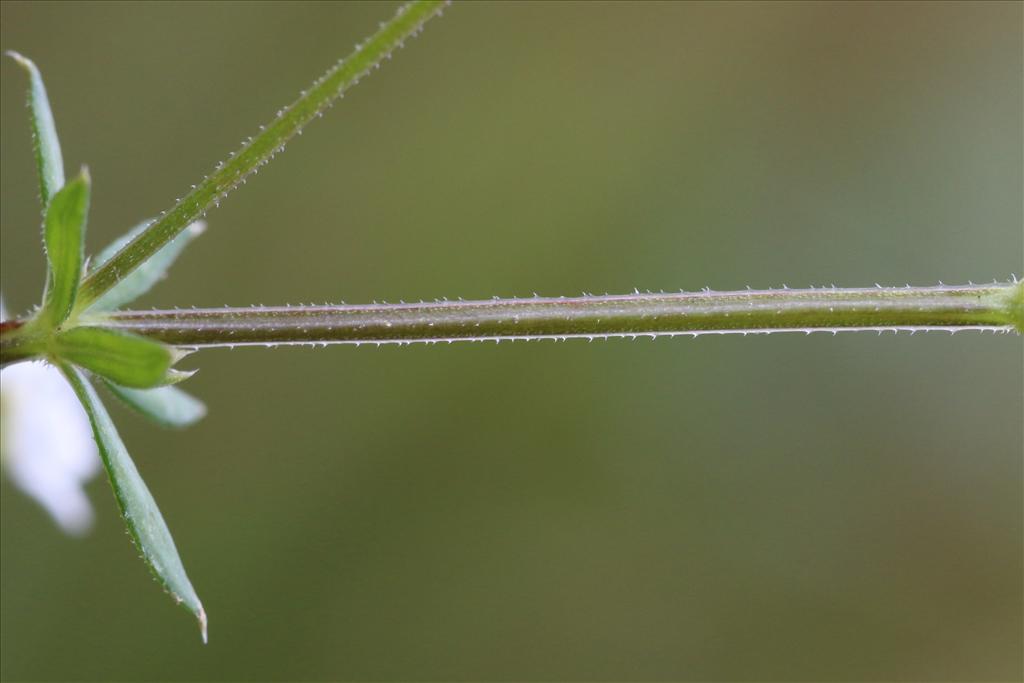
{"x": 123, "y": 358}
{"x": 63, "y": 233}
{"x": 49, "y": 162}
{"x": 142, "y": 279}
{"x": 168, "y": 406}
{"x": 140, "y": 512}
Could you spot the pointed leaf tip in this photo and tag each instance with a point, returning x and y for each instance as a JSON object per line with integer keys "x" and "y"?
{"x": 177, "y": 376}
{"x": 49, "y": 161}
{"x": 201, "y": 616}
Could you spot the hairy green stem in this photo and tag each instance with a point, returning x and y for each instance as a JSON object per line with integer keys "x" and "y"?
{"x": 979, "y": 307}
{"x": 996, "y": 307}
{"x": 260, "y": 148}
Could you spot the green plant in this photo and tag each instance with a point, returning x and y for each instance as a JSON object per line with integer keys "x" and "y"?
{"x": 79, "y": 329}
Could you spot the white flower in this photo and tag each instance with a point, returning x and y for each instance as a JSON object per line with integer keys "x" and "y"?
{"x": 47, "y": 444}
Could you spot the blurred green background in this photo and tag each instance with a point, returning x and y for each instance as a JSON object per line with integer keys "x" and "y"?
{"x": 774, "y": 508}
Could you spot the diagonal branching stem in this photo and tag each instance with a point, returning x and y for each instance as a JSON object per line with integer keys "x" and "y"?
{"x": 980, "y": 307}
{"x": 260, "y": 148}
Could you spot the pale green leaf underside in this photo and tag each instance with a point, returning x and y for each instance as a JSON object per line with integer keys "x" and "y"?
{"x": 140, "y": 512}
{"x": 143, "y": 278}
{"x": 168, "y": 406}
{"x": 49, "y": 162}
{"x": 63, "y": 233}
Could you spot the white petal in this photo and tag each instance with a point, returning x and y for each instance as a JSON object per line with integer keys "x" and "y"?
{"x": 48, "y": 447}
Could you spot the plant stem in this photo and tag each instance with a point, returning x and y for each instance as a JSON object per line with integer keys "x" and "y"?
{"x": 997, "y": 307}
{"x": 261, "y": 148}
{"x": 978, "y": 307}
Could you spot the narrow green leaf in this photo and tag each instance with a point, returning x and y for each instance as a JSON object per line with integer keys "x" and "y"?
{"x": 261, "y": 148}
{"x": 63, "y": 233}
{"x": 168, "y": 406}
{"x": 123, "y": 358}
{"x": 49, "y": 162}
{"x": 142, "y": 279}
{"x": 140, "y": 512}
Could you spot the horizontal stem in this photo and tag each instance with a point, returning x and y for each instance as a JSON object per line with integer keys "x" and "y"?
{"x": 979, "y": 307}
